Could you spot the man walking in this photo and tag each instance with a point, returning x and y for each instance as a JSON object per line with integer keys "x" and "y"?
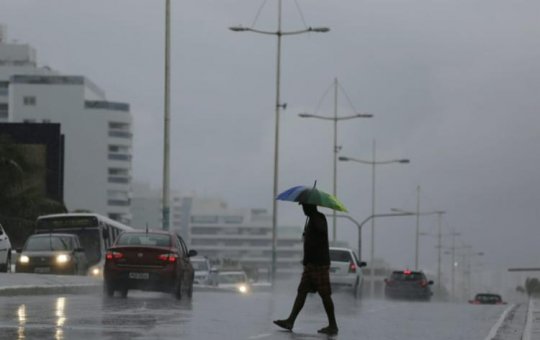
{"x": 315, "y": 277}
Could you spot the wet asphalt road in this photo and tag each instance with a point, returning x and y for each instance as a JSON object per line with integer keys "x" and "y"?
{"x": 220, "y": 315}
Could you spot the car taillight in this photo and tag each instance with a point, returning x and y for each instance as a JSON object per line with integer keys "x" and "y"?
{"x": 113, "y": 255}
{"x": 168, "y": 257}
{"x": 476, "y": 302}
{"x": 423, "y": 283}
{"x": 352, "y": 268}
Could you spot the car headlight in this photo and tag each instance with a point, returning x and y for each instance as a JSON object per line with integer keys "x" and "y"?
{"x": 24, "y": 259}
{"x": 95, "y": 271}
{"x": 63, "y": 258}
{"x": 242, "y": 289}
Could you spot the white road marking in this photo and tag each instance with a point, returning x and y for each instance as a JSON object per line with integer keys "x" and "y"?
{"x": 499, "y": 323}
{"x": 260, "y": 336}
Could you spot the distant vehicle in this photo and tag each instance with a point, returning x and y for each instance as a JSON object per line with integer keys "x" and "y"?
{"x": 487, "y": 299}
{"x": 201, "y": 265}
{"x": 5, "y": 251}
{"x": 408, "y": 284}
{"x": 345, "y": 270}
{"x": 234, "y": 280}
{"x": 153, "y": 260}
{"x": 52, "y": 254}
{"x": 96, "y": 233}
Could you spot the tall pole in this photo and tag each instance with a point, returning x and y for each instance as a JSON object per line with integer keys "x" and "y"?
{"x": 372, "y": 257}
{"x": 167, "y": 118}
{"x": 276, "y": 147}
{"x": 417, "y": 227}
{"x": 439, "y": 247}
{"x": 453, "y": 290}
{"x": 335, "y": 156}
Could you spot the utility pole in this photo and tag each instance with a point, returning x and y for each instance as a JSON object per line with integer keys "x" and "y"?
{"x": 439, "y": 246}
{"x": 417, "y": 227}
{"x": 166, "y": 120}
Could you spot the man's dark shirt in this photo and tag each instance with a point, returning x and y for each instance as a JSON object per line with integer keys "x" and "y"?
{"x": 316, "y": 249}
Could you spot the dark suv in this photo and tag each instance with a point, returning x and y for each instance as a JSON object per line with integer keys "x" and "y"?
{"x": 408, "y": 284}
{"x": 487, "y": 299}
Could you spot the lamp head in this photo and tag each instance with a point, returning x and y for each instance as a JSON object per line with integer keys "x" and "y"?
{"x": 237, "y": 29}
{"x": 320, "y": 29}
{"x": 343, "y": 158}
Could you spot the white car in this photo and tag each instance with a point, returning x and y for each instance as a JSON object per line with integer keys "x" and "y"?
{"x": 5, "y": 251}
{"x": 234, "y": 280}
{"x": 201, "y": 266}
{"x": 345, "y": 270}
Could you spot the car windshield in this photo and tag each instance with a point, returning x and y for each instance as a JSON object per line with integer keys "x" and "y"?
{"x": 50, "y": 242}
{"x": 144, "y": 239}
{"x": 340, "y": 255}
{"x": 403, "y": 276}
{"x": 232, "y": 278}
{"x": 199, "y": 264}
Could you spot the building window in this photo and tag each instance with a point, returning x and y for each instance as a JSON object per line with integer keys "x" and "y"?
{"x": 118, "y": 172}
{"x": 3, "y": 110}
{"x": 234, "y": 219}
{"x": 29, "y": 100}
{"x": 204, "y": 219}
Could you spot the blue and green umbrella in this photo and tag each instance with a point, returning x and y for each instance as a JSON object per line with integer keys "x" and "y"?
{"x": 307, "y": 195}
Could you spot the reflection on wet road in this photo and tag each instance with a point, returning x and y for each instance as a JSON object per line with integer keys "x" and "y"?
{"x": 213, "y": 315}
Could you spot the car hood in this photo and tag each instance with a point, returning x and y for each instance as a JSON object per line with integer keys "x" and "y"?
{"x": 46, "y": 253}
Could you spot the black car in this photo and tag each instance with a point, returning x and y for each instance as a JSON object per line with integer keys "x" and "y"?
{"x": 408, "y": 284}
{"x": 153, "y": 261}
{"x": 52, "y": 254}
{"x": 487, "y": 299}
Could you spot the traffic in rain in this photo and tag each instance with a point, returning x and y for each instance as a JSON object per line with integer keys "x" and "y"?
{"x": 269, "y": 169}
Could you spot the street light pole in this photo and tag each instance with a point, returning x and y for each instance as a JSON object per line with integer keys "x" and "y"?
{"x": 373, "y": 163}
{"x": 439, "y": 246}
{"x": 167, "y": 118}
{"x": 334, "y": 229}
{"x": 417, "y": 246}
{"x": 335, "y": 120}
{"x": 278, "y": 105}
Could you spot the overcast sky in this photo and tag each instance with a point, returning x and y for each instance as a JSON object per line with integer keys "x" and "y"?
{"x": 453, "y": 85}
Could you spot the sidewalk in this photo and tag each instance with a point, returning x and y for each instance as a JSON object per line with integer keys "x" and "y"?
{"x": 532, "y": 327}
{"x": 26, "y": 284}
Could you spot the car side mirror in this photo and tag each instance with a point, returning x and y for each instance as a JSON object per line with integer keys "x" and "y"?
{"x": 192, "y": 253}
{"x": 471, "y": 301}
{"x": 363, "y": 264}
{"x": 430, "y": 282}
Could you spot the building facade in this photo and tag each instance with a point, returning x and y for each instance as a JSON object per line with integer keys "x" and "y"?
{"x": 240, "y": 238}
{"x": 98, "y": 132}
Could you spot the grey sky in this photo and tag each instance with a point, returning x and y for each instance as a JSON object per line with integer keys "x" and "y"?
{"x": 453, "y": 86}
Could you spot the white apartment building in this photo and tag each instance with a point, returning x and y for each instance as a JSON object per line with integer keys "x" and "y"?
{"x": 228, "y": 237}
{"x": 98, "y": 132}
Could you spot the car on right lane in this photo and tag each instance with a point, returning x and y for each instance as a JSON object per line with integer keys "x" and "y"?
{"x": 407, "y": 284}
{"x": 487, "y": 299}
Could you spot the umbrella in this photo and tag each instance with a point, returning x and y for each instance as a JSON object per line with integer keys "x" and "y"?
{"x": 307, "y": 195}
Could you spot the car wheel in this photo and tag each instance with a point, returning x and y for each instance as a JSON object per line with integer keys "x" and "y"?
{"x": 177, "y": 291}
{"x": 5, "y": 267}
{"x": 108, "y": 288}
{"x": 356, "y": 290}
{"x": 190, "y": 290}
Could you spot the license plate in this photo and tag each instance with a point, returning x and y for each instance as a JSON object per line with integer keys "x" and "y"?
{"x": 333, "y": 269}
{"x": 42, "y": 270}
{"x": 139, "y": 276}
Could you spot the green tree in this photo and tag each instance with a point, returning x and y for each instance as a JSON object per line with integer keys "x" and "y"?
{"x": 22, "y": 196}
{"x": 532, "y": 286}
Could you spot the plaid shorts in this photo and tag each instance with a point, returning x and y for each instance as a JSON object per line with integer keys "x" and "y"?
{"x": 315, "y": 279}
